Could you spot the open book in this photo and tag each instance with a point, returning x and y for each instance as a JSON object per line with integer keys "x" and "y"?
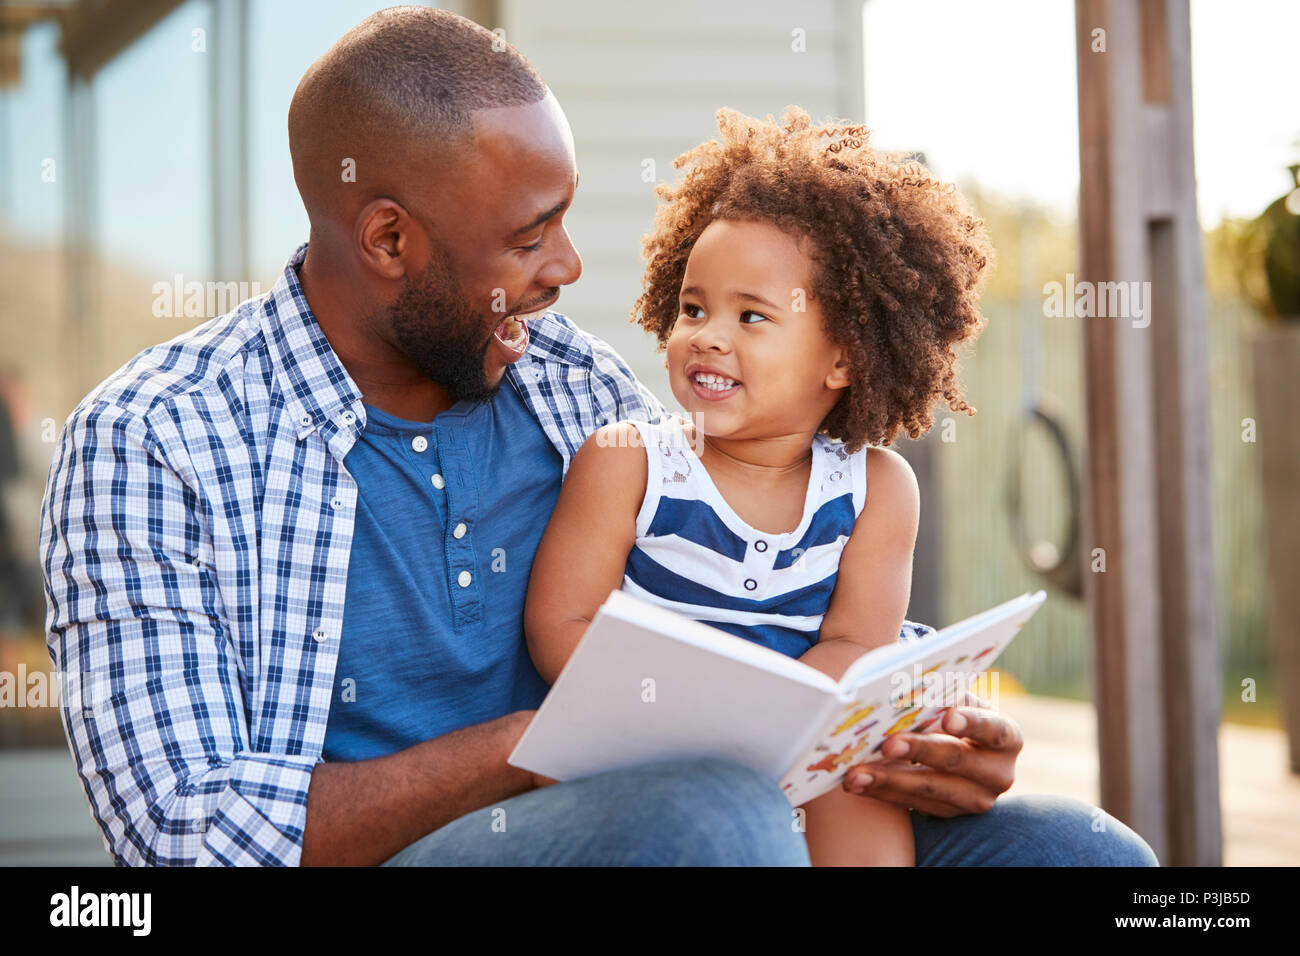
{"x": 645, "y": 684}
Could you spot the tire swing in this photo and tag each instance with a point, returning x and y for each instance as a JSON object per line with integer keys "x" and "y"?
{"x": 1061, "y": 566}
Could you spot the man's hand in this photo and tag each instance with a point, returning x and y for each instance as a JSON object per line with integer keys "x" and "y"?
{"x": 361, "y": 813}
{"x": 962, "y": 770}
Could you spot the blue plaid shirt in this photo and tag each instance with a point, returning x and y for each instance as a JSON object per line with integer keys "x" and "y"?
{"x": 195, "y": 538}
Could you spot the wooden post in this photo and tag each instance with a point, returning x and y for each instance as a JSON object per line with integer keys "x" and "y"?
{"x": 1277, "y": 398}
{"x": 1147, "y": 501}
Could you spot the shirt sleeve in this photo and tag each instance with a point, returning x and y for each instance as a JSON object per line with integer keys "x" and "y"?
{"x": 151, "y": 693}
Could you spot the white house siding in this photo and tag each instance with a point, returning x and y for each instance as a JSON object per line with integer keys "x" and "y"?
{"x": 642, "y": 81}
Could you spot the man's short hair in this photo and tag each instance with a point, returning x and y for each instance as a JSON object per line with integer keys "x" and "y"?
{"x": 418, "y": 65}
{"x": 405, "y": 81}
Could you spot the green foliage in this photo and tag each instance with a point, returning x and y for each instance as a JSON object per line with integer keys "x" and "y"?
{"x": 1259, "y": 259}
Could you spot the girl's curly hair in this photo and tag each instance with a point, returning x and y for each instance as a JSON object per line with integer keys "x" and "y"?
{"x": 898, "y": 258}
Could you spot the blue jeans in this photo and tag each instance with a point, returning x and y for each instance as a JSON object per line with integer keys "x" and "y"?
{"x": 707, "y": 812}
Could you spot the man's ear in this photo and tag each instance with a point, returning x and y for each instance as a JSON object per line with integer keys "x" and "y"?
{"x": 383, "y": 237}
{"x": 838, "y": 376}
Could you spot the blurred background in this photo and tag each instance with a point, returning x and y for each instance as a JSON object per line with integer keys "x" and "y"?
{"x": 143, "y": 147}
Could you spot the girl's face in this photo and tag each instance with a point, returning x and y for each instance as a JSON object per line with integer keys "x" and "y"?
{"x": 748, "y": 356}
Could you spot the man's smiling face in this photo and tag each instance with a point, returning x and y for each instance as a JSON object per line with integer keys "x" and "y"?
{"x": 501, "y": 252}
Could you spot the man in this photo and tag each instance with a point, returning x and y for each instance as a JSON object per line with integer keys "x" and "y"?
{"x": 288, "y": 550}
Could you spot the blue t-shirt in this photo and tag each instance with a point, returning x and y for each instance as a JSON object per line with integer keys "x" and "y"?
{"x": 449, "y": 516}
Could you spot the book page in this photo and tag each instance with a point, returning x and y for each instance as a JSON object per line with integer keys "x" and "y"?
{"x": 904, "y": 688}
{"x": 636, "y": 611}
{"x": 646, "y": 685}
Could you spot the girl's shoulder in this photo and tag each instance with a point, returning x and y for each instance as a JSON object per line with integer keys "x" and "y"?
{"x": 890, "y": 477}
{"x": 646, "y": 451}
{"x": 870, "y": 465}
{"x": 666, "y": 436}
{"x": 612, "y": 450}
{"x": 633, "y": 433}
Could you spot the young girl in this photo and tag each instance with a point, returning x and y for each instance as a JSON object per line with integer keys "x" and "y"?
{"x": 809, "y": 294}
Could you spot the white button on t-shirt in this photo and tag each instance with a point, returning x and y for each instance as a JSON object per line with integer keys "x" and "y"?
{"x": 419, "y": 443}
{"x": 437, "y": 481}
{"x": 459, "y": 530}
{"x": 464, "y": 579}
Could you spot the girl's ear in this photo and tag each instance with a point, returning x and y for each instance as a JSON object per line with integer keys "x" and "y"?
{"x": 838, "y": 377}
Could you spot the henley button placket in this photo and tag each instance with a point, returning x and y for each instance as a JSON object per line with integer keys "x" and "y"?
{"x": 460, "y": 512}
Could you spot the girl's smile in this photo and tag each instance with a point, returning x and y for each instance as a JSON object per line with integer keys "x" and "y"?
{"x": 710, "y": 383}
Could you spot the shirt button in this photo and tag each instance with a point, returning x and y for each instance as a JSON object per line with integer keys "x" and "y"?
{"x": 750, "y": 584}
{"x": 419, "y": 443}
{"x": 459, "y": 530}
{"x": 305, "y": 421}
{"x": 760, "y": 545}
{"x": 336, "y": 503}
{"x": 437, "y": 481}
{"x": 319, "y": 634}
{"x": 348, "y": 418}
{"x": 463, "y": 579}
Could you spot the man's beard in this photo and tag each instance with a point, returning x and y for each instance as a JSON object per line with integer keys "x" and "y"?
{"x": 439, "y": 332}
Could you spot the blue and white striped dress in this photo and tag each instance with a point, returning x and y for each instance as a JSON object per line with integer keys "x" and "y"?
{"x": 694, "y": 555}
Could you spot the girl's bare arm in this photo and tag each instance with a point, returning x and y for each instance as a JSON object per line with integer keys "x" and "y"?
{"x": 585, "y": 547}
{"x": 875, "y": 576}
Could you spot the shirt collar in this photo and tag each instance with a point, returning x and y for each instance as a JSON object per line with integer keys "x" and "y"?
{"x": 316, "y": 386}
{"x": 553, "y": 338}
